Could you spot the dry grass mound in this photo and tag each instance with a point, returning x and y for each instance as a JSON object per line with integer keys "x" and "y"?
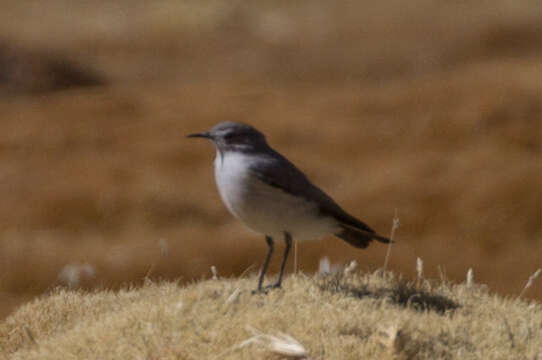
{"x": 341, "y": 316}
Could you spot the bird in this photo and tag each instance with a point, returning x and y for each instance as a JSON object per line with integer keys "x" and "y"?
{"x": 271, "y": 196}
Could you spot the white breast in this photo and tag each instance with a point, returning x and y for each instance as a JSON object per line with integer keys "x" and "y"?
{"x": 263, "y": 208}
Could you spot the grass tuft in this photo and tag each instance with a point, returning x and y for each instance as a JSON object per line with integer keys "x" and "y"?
{"x": 345, "y": 315}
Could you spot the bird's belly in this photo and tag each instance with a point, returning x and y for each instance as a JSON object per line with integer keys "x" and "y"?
{"x": 276, "y": 212}
{"x": 270, "y": 210}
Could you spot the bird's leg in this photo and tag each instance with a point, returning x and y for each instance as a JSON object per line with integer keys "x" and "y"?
{"x": 288, "y": 241}
{"x": 270, "y": 247}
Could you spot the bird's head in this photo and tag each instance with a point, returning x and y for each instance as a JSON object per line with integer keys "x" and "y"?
{"x": 233, "y": 136}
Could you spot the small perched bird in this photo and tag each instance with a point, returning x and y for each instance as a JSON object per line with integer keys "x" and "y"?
{"x": 271, "y": 196}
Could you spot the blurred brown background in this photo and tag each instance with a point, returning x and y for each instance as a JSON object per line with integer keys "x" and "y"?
{"x": 433, "y": 108}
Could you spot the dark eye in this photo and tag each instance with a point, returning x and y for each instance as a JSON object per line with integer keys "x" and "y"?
{"x": 231, "y": 136}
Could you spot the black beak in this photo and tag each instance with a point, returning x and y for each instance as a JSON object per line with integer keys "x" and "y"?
{"x": 200, "y": 135}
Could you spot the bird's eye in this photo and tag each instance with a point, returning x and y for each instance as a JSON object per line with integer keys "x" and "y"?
{"x": 230, "y": 136}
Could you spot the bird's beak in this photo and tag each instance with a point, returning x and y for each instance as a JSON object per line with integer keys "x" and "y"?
{"x": 200, "y": 135}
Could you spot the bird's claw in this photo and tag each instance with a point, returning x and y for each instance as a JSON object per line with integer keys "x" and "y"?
{"x": 262, "y": 291}
{"x": 265, "y": 290}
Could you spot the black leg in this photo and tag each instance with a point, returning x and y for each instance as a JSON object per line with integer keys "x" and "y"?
{"x": 269, "y": 241}
{"x": 288, "y": 241}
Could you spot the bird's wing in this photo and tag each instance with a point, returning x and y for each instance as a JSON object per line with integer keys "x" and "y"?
{"x": 277, "y": 171}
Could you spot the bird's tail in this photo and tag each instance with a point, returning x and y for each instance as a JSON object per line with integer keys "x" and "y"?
{"x": 359, "y": 237}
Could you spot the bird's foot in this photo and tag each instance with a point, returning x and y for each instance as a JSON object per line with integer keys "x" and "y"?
{"x": 273, "y": 286}
{"x": 260, "y": 291}
{"x": 265, "y": 290}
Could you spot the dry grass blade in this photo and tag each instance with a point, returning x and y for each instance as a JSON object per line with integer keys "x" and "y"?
{"x": 419, "y": 270}
{"x": 214, "y": 272}
{"x": 233, "y": 297}
{"x": 394, "y": 226}
{"x": 239, "y": 346}
{"x": 529, "y": 283}
{"x": 28, "y": 333}
{"x": 350, "y": 268}
{"x": 281, "y": 344}
{"x": 246, "y": 271}
{"x": 470, "y": 277}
